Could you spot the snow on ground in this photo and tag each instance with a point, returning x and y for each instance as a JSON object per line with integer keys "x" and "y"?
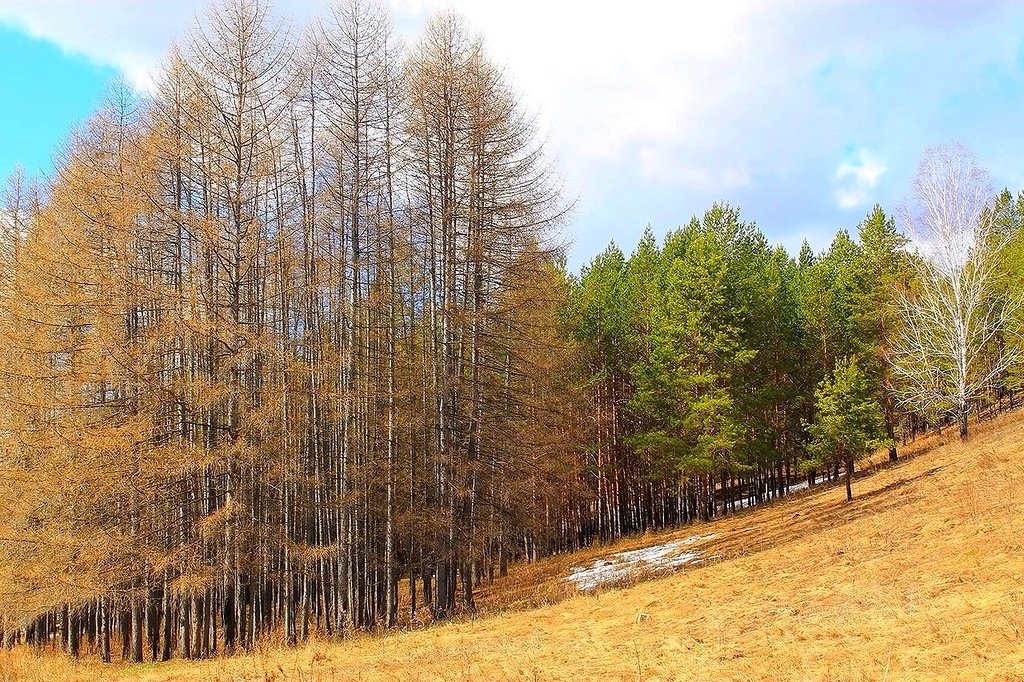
{"x": 654, "y": 559}
{"x": 802, "y": 485}
{"x": 619, "y": 566}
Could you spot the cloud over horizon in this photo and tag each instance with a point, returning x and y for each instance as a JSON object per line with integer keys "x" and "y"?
{"x": 801, "y": 113}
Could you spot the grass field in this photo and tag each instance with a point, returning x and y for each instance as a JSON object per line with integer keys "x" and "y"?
{"x": 920, "y": 578}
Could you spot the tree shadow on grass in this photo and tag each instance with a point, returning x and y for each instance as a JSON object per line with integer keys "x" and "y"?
{"x": 820, "y": 520}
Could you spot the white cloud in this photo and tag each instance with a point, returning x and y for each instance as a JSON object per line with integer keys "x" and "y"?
{"x": 750, "y": 101}
{"x": 612, "y": 84}
{"x": 859, "y": 174}
{"x": 865, "y": 168}
{"x": 129, "y": 35}
{"x": 666, "y": 165}
{"x": 604, "y": 77}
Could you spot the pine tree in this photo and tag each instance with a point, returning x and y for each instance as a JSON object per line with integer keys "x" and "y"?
{"x": 884, "y": 270}
{"x": 848, "y": 423}
{"x": 685, "y": 389}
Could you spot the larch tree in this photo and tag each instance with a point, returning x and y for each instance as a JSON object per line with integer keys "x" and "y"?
{"x": 278, "y": 336}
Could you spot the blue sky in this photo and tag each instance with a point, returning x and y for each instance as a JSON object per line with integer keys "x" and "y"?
{"x": 46, "y": 92}
{"x": 803, "y": 113}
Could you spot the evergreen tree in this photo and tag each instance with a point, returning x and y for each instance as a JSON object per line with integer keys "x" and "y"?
{"x": 884, "y": 269}
{"x": 1008, "y": 227}
{"x": 848, "y": 422}
{"x": 686, "y": 388}
{"x": 830, "y": 291}
{"x": 601, "y": 328}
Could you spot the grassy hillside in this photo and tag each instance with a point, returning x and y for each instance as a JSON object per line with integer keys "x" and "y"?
{"x": 921, "y": 577}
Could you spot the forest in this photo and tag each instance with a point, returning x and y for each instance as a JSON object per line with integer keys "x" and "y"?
{"x": 289, "y": 347}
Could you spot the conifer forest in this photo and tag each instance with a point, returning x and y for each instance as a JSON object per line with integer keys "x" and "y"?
{"x": 289, "y": 346}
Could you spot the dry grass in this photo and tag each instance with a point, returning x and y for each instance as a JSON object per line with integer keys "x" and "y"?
{"x": 920, "y": 578}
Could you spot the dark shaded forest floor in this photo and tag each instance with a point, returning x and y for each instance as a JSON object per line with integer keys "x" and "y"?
{"x": 920, "y": 577}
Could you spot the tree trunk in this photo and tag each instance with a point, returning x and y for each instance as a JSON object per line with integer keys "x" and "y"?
{"x": 73, "y": 640}
{"x": 849, "y": 480}
{"x": 891, "y": 433}
{"x": 136, "y": 630}
{"x": 103, "y": 616}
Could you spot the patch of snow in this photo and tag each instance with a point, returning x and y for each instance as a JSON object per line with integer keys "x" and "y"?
{"x": 619, "y": 566}
{"x": 655, "y": 559}
{"x": 796, "y": 487}
{"x": 802, "y": 485}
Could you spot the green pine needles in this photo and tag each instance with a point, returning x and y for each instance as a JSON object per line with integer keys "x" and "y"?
{"x": 849, "y": 423}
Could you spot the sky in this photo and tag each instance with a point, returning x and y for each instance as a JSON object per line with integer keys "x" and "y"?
{"x": 802, "y": 113}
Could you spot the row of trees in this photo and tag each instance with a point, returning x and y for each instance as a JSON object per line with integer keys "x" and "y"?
{"x": 289, "y": 347}
{"x": 701, "y": 359}
{"x": 278, "y": 337}
{"x": 720, "y": 370}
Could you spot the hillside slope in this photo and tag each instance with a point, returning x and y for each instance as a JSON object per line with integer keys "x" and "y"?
{"x": 921, "y": 577}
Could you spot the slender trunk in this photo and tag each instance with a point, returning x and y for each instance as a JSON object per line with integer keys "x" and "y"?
{"x": 891, "y": 433}
{"x": 849, "y": 479}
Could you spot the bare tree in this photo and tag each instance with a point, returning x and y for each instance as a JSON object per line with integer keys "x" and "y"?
{"x": 950, "y": 350}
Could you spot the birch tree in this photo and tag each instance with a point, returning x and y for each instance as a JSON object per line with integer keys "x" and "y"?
{"x": 949, "y": 349}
